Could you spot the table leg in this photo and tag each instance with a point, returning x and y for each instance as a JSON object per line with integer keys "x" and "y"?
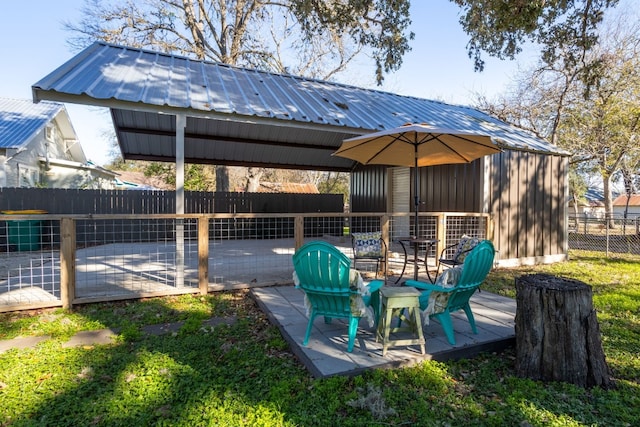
{"x": 404, "y": 266}
{"x": 416, "y": 258}
{"x": 426, "y": 264}
{"x": 416, "y": 248}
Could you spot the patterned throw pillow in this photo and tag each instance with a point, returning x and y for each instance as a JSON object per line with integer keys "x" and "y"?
{"x": 449, "y": 277}
{"x": 367, "y": 244}
{"x": 464, "y": 247}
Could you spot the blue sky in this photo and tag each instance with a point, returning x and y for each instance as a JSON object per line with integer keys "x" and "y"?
{"x": 33, "y": 43}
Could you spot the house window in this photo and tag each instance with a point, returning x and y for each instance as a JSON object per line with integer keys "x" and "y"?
{"x": 50, "y": 133}
{"x": 28, "y": 176}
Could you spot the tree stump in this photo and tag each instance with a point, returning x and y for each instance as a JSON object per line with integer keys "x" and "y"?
{"x": 557, "y": 332}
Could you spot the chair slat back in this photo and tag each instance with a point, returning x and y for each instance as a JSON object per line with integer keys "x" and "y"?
{"x": 323, "y": 272}
{"x": 321, "y": 266}
{"x": 477, "y": 264}
{"x": 476, "y": 267}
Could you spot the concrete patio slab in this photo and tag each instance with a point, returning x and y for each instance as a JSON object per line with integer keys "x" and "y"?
{"x": 326, "y": 354}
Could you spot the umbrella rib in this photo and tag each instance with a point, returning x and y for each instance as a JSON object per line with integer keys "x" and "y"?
{"x": 455, "y": 152}
{"x": 395, "y": 138}
{"x": 353, "y": 147}
{"x": 367, "y": 141}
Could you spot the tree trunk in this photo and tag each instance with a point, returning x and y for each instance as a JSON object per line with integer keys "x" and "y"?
{"x": 608, "y": 200}
{"x": 254, "y": 175}
{"x": 557, "y": 332}
{"x": 222, "y": 178}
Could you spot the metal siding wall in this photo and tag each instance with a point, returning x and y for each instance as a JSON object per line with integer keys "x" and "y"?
{"x": 501, "y": 202}
{"x": 522, "y": 206}
{"x": 514, "y": 207}
{"x": 547, "y": 205}
{"x": 369, "y": 189}
{"x": 543, "y": 244}
{"x": 559, "y": 207}
{"x": 531, "y": 190}
{"x": 451, "y": 188}
{"x": 527, "y": 203}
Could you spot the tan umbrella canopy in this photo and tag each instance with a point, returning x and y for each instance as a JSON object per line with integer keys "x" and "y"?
{"x": 416, "y": 145}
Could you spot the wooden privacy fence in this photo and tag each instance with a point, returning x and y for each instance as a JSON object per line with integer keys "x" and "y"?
{"x": 154, "y": 202}
{"x": 75, "y": 259}
{"x": 150, "y": 202}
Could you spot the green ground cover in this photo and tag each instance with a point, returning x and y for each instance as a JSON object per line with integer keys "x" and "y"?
{"x": 243, "y": 374}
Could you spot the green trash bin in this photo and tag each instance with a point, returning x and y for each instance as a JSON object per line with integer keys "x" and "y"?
{"x": 24, "y": 233}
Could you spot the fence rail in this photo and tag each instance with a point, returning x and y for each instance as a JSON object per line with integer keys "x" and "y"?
{"x": 62, "y": 260}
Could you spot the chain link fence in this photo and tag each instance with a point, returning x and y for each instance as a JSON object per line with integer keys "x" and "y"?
{"x": 609, "y": 234}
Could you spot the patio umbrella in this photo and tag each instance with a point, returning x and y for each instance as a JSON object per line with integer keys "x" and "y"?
{"x": 417, "y": 145}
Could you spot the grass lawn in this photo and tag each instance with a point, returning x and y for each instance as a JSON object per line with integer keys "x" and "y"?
{"x": 244, "y": 375}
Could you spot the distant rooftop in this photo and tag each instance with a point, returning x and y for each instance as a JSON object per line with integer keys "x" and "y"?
{"x": 288, "y": 187}
{"x": 621, "y": 200}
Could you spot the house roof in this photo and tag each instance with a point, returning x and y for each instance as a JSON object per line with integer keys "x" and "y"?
{"x": 594, "y": 197}
{"x": 621, "y": 200}
{"x": 21, "y": 120}
{"x": 135, "y": 179}
{"x": 238, "y": 116}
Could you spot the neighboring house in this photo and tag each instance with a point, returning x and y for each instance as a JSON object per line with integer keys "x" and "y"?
{"x": 283, "y": 187}
{"x": 620, "y": 205}
{"x": 39, "y": 148}
{"x": 134, "y": 180}
{"x": 591, "y": 205}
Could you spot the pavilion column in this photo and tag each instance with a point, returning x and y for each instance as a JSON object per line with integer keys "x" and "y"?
{"x": 181, "y": 123}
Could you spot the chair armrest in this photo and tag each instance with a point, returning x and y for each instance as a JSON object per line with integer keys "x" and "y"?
{"x": 450, "y": 262}
{"x": 375, "y": 285}
{"x": 446, "y": 248}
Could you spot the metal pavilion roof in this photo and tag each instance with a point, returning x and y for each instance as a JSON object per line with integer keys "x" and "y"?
{"x": 239, "y": 116}
{"x": 21, "y": 120}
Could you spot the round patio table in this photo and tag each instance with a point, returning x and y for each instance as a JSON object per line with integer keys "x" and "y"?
{"x": 416, "y": 243}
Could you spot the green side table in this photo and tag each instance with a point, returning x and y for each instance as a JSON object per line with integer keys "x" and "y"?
{"x": 401, "y": 302}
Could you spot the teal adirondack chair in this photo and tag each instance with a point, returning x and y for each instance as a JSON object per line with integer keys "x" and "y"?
{"x": 324, "y": 275}
{"x": 445, "y": 300}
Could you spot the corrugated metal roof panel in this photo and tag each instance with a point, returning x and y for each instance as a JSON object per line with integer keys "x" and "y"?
{"x": 21, "y": 120}
{"x": 621, "y": 200}
{"x": 310, "y": 117}
{"x": 287, "y": 187}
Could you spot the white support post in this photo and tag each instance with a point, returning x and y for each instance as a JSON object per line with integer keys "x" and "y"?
{"x": 181, "y": 123}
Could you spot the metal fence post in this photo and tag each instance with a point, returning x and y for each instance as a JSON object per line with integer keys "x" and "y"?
{"x": 606, "y": 231}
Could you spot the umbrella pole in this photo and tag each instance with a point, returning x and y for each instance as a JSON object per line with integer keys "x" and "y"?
{"x": 416, "y": 207}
